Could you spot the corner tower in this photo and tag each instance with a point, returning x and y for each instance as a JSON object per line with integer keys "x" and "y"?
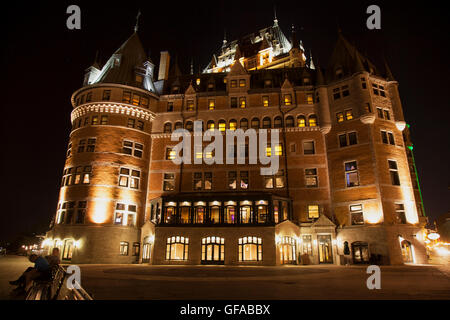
{"x": 103, "y": 188}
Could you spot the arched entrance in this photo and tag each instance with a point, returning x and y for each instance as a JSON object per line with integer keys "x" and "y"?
{"x": 213, "y": 250}
{"x": 146, "y": 249}
{"x": 407, "y": 251}
{"x": 288, "y": 250}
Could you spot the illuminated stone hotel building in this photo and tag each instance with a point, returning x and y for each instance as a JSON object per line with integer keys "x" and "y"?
{"x": 346, "y": 188}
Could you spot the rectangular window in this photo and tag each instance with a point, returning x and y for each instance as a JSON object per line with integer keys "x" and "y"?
{"x": 391, "y": 138}
{"x": 125, "y": 215}
{"x": 308, "y": 147}
{"x": 106, "y": 95}
{"x": 382, "y": 92}
{"x": 340, "y": 117}
{"x": 198, "y": 184}
{"x": 349, "y": 114}
{"x": 126, "y": 98}
{"x": 384, "y": 137}
{"x": 169, "y": 106}
{"x": 347, "y": 139}
{"x": 94, "y": 120}
{"x": 104, "y": 120}
{"x": 233, "y": 102}
{"x": 81, "y": 212}
{"x": 351, "y": 174}
{"x": 307, "y": 244}
{"x": 177, "y": 248}
{"x": 386, "y": 115}
{"x": 380, "y": 113}
{"x": 287, "y": 99}
{"x": 169, "y": 182}
{"x": 136, "y": 99}
{"x": 345, "y": 91}
{"x": 202, "y": 181}
{"x": 131, "y": 123}
{"x": 265, "y": 100}
{"x": 132, "y": 148}
{"x": 309, "y": 98}
{"x": 211, "y": 104}
{"x": 367, "y": 108}
{"x": 123, "y": 248}
{"x": 244, "y": 179}
{"x": 140, "y": 125}
{"x": 336, "y": 93}
{"x": 393, "y": 170}
{"x": 363, "y": 83}
{"x": 313, "y": 211}
{"x": 190, "y": 105}
{"x": 242, "y": 102}
{"x": 400, "y": 216}
{"x": 352, "y": 138}
{"x": 69, "y": 150}
{"x": 144, "y": 102}
{"x": 375, "y": 89}
{"x": 311, "y": 179}
{"x": 356, "y": 214}
{"x": 242, "y": 83}
{"x": 342, "y": 140}
{"x": 250, "y": 249}
{"x": 233, "y": 83}
{"x": 170, "y": 153}
{"x": 129, "y": 178}
{"x": 89, "y": 97}
{"x": 91, "y": 144}
{"x": 232, "y": 180}
{"x": 208, "y": 180}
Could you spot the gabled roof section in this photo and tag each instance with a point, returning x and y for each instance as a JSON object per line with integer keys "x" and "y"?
{"x": 237, "y": 69}
{"x": 323, "y": 221}
{"x": 346, "y": 57}
{"x": 125, "y": 63}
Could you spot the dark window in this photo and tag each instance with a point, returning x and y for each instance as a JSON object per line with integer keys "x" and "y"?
{"x": 393, "y": 169}
{"x": 234, "y": 102}
{"x": 308, "y": 147}
{"x": 351, "y": 174}
{"x": 106, "y": 95}
{"x": 169, "y": 106}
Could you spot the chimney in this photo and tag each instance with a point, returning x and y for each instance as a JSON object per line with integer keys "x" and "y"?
{"x": 164, "y": 62}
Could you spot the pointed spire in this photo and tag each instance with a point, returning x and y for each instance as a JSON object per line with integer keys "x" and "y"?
{"x": 389, "y": 75}
{"x": 275, "y": 20}
{"x": 137, "y": 21}
{"x": 311, "y": 62}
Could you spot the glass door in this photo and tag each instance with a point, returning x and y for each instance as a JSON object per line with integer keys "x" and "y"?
{"x": 213, "y": 250}
{"x": 146, "y": 252}
{"x": 325, "y": 249}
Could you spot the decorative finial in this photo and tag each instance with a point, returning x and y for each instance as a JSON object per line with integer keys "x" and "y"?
{"x": 275, "y": 20}
{"x": 224, "y": 37}
{"x": 192, "y": 66}
{"x": 137, "y": 21}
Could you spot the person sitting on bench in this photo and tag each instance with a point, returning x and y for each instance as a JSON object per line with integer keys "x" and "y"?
{"x": 53, "y": 259}
{"x": 40, "y": 270}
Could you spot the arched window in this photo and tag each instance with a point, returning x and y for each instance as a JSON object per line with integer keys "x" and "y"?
{"x": 267, "y": 123}
{"x": 232, "y": 124}
{"x": 301, "y": 121}
{"x": 168, "y": 127}
{"x": 312, "y": 120}
{"x": 222, "y": 125}
{"x": 277, "y": 122}
{"x": 177, "y": 248}
{"x": 255, "y": 123}
{"x": 288, "y": 249}
{"x": 243, "y": 124}
{"x": 250, "y": 249}
{"x": 210, "y": 125}
{"x": 289, "y": 122}
{"x": 213, "y": 250}
{"x": 189, "y": 126}
{"x": 178, "y": 125}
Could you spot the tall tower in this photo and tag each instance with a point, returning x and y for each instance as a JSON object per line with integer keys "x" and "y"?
{"x": 103, "y": 189}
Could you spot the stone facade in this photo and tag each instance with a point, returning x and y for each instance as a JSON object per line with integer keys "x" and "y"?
{"x": 344, "y": 191}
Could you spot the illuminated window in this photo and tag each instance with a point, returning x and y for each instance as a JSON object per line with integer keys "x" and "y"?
{"x": 210, "y": 125}
{"x": 242, "y": 102}
{"x": 124, "y": 248}
{"x": 349, "y": 114}
{"x": 307, "y": 244}
{"x": 309, "y": 98}
{"x": 177, "y": 248}
{"x": 311, "y": 179}
{"x": 232, "y": 124}
{"x": 287, "y": 99}
{"x": 170, "y": 153}
{"x": 312, "y": 121}
{"x": 265, "y": 100}
{"x": 244, "y": 179}
{"x": 356, "y": 214}
{"x": 197, "y": 81}
{"x": 279, "y": 150}
{"x": 393, "y": 170}
{"x": 232, "y": 182}
{"x": 233, "y": 83}
{"x": 125, "y": 215}
{"x": 94, "y": 120}
{"x": 313, "y": 211}
{"x": 169, "y": 182}
{"x": 126, "y": 97}
{"x": 308, "y": 147}
{"x": 301, "y": 121}
{"x": 340, "y": 117}
{"x": 190, "y": 105}
{"x": 275, "y": 181}
{"x": 104, "y": 120}
{"x": 129, "y": 178}
{"x": 68, "y": 250}
{"x": 222, "y": 125}
{"x": 242, "y": 83}
{"x": 351, "y": 174}
{"x": 202, "y": 181}
{"x": 288, "y": 250}
{"x": 136, "y": 99}
{"x": 250, "y": 249}
{"x": 144, "y": 102}
{"x": 211, "y": 104}
{"x": 213, "y": 249}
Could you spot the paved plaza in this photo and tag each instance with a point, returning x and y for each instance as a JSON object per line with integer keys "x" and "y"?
{"x": 246, "y": 282}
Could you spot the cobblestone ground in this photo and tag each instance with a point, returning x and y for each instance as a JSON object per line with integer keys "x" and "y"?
{"x": 223, "y": 282}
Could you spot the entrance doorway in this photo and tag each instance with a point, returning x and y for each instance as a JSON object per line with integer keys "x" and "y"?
{"x": 325, "y": 249}
{"x": 407, "y": 251}
{"x": 146, "y": 249}
{"x": 287, "y": 250}
{"x": 213, "y": 250}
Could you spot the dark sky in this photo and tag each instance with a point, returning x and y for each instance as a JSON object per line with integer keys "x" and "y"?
{"x": 43, "y": 63}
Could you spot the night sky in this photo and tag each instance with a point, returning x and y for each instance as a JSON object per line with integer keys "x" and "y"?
{"x": 43, "y": 63}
